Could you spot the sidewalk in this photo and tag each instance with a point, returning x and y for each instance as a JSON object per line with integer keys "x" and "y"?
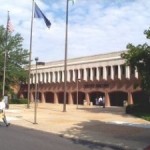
{"x": 90, "y": 123}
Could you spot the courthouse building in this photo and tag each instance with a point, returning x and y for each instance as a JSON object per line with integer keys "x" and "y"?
{"x": 87, "y": 79}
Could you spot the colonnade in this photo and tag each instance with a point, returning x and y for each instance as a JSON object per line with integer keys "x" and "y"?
{"x": 86, "y": 74}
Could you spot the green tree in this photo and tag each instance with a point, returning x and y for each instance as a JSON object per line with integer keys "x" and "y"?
{"x": 16, "y": 59}
{"x": 138, "y": 57}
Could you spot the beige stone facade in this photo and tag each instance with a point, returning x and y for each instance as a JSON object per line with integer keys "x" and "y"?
{"x": 87, "y": 79}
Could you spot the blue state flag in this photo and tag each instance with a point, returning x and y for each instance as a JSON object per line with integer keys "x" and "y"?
{"x": 39, "y": 14}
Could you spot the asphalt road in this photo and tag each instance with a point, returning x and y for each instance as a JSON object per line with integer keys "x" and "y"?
{"x": 103, "y": 130}
{"x": 19, "y": 138}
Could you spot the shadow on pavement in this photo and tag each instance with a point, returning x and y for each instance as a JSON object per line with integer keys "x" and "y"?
{"x": 26, "y": 138}
{"x": 98, "y": 109}
{"x": 121, "y": 136}
{"x": 109, "y": 110}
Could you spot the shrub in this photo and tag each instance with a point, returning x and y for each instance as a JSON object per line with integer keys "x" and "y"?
{"x": 138, "y": 108}
{"x": 18, "y": 101}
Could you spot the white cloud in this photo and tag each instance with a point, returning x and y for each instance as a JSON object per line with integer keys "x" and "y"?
{"x": 95, "y": 26}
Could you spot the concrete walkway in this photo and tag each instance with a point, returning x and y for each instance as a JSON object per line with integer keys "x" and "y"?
{"x": 110, "y": 127}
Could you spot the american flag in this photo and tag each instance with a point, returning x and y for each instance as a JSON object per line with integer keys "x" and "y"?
{"x": 9, "y": 25}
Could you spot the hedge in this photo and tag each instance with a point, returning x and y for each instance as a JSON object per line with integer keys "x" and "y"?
{"x": 18, "y": 101}
{"x": 138, "y": 108}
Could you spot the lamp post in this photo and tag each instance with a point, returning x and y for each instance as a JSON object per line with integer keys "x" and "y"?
{"x": 78, "y": 92}
{"x": 35, "y": 100}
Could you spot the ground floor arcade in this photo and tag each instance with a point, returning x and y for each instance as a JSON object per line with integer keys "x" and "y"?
{"x": 78, "y": 93}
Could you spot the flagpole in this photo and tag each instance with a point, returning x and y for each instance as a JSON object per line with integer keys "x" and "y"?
{"x": 30, "y": 54}
{"x": 5, "y": 57}
{"x": 65, "y": 62}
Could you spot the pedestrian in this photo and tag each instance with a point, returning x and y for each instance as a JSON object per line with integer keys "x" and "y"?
{"x": 103, "y": 101}
{"x": 100, "y": 100}
{"x": 2, "y": 112}
{"x": 96, "y": 101}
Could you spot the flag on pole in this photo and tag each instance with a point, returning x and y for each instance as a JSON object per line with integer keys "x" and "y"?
{"x": 39, "y": 14}
{"x": 73, "y": 1}
{"x": 9, "y": 25}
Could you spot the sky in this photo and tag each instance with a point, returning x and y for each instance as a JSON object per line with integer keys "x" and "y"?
{"x": 94, "y": 26}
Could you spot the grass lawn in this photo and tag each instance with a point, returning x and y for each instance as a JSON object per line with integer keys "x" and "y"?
{"x": 144, "y": 116}
{"x": 139, "y": 110}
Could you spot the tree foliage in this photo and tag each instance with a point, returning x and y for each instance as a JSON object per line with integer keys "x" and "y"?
{"x": 16, "y": 59}
{"x": 138, "y": 57}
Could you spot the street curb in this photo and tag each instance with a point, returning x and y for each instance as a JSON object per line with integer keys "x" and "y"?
{"x": 108, "y": 145}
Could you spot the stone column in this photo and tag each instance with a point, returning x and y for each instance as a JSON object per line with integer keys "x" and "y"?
{"x": 32, "y": 97}
{"x": 40, "y": 79}
{"x": 79, "y": 74}
{"x": 34, "y": 78}
{"x": 68, "y": 75}
{"x": 45, "y": 76}
{"x": 21, "y": 95}
{"x": 31, "y": 79}
{"x": 73, "y": 75}
{"x": 43, "y": 79}
{"x": 136, "y": 73}
{"x": 97, "y": 73}
{"x": 43, "y": 97}
{"x": 56, "y": 98}
{"x": 119, "y": 72}
{"x": 63, "y": 76}
{"x": 130, "y": 99}
{"x": 107, "y": 99}
{"x": 91, "y": 74}
{"x": 112, "y": 72}
{"x": 87, "y": 98}
{"x": 127, "y": 72}
{"x": 70, "y": 99}
{"x": 58, "y": 76}
{"x": 49, "y": 77}
{"x": 54, "y": 77}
